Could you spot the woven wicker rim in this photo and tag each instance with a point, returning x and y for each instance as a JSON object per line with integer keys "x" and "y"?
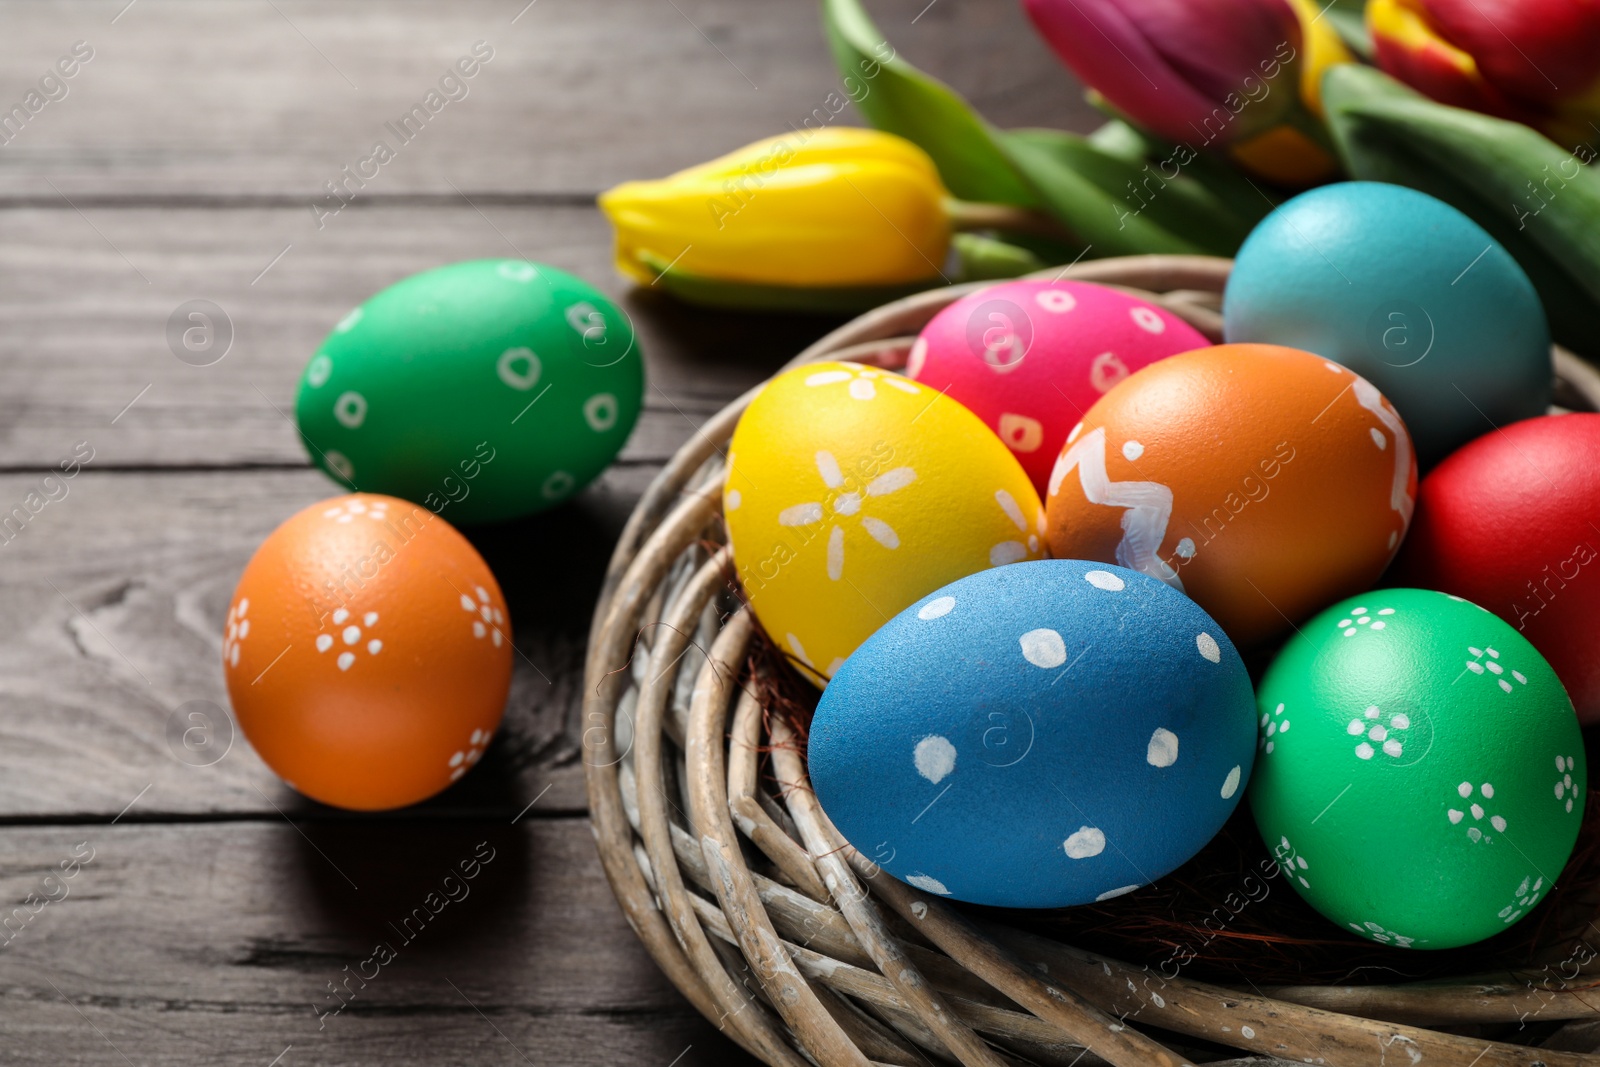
{"x": 790, "y": 941}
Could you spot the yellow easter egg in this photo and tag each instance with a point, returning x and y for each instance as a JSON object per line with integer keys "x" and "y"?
{"x": 852, "y": 493}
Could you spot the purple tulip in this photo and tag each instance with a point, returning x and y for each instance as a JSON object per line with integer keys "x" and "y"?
{"x": 1201, "y": 72}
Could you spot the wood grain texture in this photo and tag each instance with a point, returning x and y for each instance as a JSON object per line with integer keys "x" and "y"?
{"x": 83, "y": 319}
{"x": 116, "y": 595}
{"x": 188, "y": 160}
{"x": 273, "y": 99}
{"x": 229, "y": 942}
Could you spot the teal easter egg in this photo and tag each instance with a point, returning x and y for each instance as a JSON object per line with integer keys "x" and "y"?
{"x": 1407, "y": 292}
{"x": 482, "y": 390}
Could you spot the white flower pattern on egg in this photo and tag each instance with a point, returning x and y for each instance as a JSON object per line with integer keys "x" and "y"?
{"x": 239, "y": 629}
{"x": 848, "y": 504}
{"x": 1476, "y": 807}
{"x": 1292, "y": 863}
{"x": 347, "y": 634}
{"x": 350, "y": 510}
{"x": 1272, "y": 724}
{"x": 1376, "y": 932}
{"x": 462, "y": 759}
{"x": 862, "y": 381}
{"x": 1359, "y": 617}
{"x": 1524, "y": 897}
{"x": 1013, "y": 551}
{"x": 1566, "y": 791}
{"x": 1485, "y": 662}
{"x": 1379, "y": 733}
{"x": 487, "y": 619}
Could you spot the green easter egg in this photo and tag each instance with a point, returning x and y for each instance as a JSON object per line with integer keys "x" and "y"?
{"x": 1420, "y": 775}
{"x": 481, "y": 390}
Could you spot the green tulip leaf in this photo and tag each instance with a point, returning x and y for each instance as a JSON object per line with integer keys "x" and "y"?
{"x": 1086, "y": 186}
{"x": 1349, "y": 20}
{"x": 895, "y": 96}
{"x": 1531, "y": 195}
{"x": 746, "y": 296}
{"x": 1247, "y": 202}
{"x": 1122, "y": 206}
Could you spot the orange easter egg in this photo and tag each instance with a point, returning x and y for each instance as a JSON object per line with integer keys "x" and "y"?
{"x": 367, "y": 653}
{"x": 1264, "y": 482}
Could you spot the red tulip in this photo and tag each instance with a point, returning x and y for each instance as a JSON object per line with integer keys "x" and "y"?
{"x": 1533, "y": 60}
{"x": 1194, "y": 71}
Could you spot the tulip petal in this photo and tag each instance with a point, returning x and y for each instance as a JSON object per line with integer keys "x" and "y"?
{"x": 1186, "y": 69}
{"x": 1409, "y": 48}
{"x": 831, "y": 207}
{"x": 1538, "y": 51}
{"x": 1218, "y": 46}
{"x": 1106, "y": 51}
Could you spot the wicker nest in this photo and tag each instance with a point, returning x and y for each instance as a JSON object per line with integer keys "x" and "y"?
{"x": 801, "y": 951}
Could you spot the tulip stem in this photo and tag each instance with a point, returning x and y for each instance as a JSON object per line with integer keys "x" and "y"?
{"x": 967, "y": 215}
{"x": 1301, "y": 119}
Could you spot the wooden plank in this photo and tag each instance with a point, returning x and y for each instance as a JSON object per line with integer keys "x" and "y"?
{"x": 84, "y": 353}
{"x": 116, "y": 594}
{"x": 229, "y": 942}
{"x": 253, "y": 99}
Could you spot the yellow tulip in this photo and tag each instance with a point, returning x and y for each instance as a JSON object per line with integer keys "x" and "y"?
{"x": 834, "y": 207}
{"x": 1324, "y": 49}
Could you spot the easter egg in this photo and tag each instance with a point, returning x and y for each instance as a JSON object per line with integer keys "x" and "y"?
{"x": 482, "y": 390}
{"x": 367, "y": 652}
{"x": 1512, "y": 521}
{"x": 1035, "y": 736}
{"x": 1030, "y": 357}
{"x": 1421, "y": 775}
{"x": 852, "y": 492}
{"x": 1406, "y": 291}
{"x": 1264, "y": 482}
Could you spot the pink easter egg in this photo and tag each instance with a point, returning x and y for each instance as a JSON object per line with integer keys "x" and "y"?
{"x": 1030, "y": 357}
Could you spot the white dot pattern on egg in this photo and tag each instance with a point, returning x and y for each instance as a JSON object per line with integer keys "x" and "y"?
{"x": 350, "y": 409}
{"x": 1163, "y": 748}
{"x": 1043, "y": 648}
{"x": 935, "y": 758}
{"x": 928, "y": 884}
{"x": 1105, "y": 580}
{"x": 600, "y": 412}
{"x": 1087, "y": 841}
{"x": 319, "y": 370}
{"x": 340, "y": 464}
{"x": 1030, "y": 705}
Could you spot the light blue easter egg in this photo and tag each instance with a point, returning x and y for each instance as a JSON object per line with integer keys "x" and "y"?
{"x": 1407, "y": 292}
{"x": 1037, "y": 735}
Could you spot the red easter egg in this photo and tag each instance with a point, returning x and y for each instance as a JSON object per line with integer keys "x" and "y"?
{"x": 1511, "y": 522}
{"x": 1031, "y": 357}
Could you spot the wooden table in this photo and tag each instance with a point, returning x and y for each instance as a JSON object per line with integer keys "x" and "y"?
{"x": 211, "y": 914}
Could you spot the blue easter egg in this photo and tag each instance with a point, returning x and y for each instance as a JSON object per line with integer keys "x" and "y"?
{"x": 1037, "y": 735}
{"x": 1407, "y": 292}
